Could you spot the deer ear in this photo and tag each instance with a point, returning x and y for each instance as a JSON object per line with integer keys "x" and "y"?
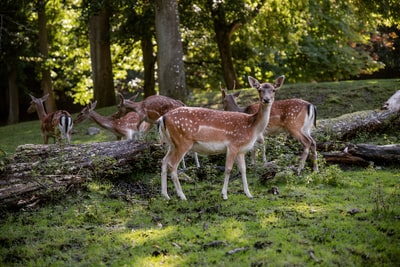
{"x": 32, "y": 97}
{"x": 253, "y": 82}
{"x": 44, "y": 98}
{"x": 236, "y": 94}
{"x": 94, "y": 104}
{"x": 224, "y": 92}
{"x": 279, "y": 82}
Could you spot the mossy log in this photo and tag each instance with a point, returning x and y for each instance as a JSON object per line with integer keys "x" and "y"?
{"x": 37, "y": 171}
{"x": 350, "y": 125}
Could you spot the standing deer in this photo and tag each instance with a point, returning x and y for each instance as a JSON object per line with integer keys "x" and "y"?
{"x": 151, "y": 109}
{"x": 125, "y": 126}
{"x": 210, "y": 131}
{"x": 57, "y": 124}
{"x": 294, "y": 116}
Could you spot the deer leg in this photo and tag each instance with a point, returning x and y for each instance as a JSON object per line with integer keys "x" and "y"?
{"x": 196, "y": 159}
{"x": 171, "y": 162}
{"x": 253, "y": 156}
{"x": 305, "y": 142}
{"x": 303, "y": 158}
{"x": 230, "y": 158}
{"x": 242, "y": 168}
{"x": 164, "y": 173}
{"x": 314, "y": 154}
{"x": 263, "y": 149}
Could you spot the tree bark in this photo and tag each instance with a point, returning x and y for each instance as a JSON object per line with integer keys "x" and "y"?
{"x": 171, "y": 73}
{"x": 46, "y": 83}
{"x": 365, "y": 154}
{"x": 149, "y": 61}
{"x": 35, "y": 172}
{"x": 223, "y": 37}
{"x": 348, "y": 126}
{"x": 100, "y": 55}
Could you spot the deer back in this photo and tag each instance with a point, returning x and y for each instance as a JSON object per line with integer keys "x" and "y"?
{"x": 151, "y": 108}
{"x": 286, "y": 115}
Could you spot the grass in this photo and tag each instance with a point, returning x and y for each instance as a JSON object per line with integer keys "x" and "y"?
{"x": 337, "y": 217}
{"x": 354, "y": 224}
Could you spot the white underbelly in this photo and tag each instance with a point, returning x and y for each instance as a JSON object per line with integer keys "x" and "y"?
{"x": 209, "y": 148}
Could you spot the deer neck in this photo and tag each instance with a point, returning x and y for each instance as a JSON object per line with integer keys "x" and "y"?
{"x": 104, "y": 122}
{"x": 135, "y": 106}
{"x": 261, "y": 118}
{"x": 40, "y": 111}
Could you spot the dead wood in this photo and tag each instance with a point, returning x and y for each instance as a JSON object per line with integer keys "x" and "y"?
{"x": 37, "y": 171}
{"x": 348, "y": 126}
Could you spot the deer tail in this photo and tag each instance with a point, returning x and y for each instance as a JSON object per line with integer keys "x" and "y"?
{"x": 312, "y": 113}
{"x": 65, "y": 125}
{"x": 162, "y": 131}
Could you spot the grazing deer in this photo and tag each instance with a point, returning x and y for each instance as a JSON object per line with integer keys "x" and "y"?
{"x": 294, "y": 116}
{"x": 151, "y": 109}
{"x": 125, "y": 126}
{"x": 210, "y": 131}
{"x": 57, "y": 124}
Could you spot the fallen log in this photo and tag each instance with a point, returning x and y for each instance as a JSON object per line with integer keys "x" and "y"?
{"x": 348, "y": 126}
{"x": 36, "y": 171}
{"x": 364, "y": 155}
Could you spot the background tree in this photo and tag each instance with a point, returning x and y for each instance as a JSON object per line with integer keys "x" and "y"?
{"x": 225, "y": 18}
{"x": 100, "y": 53}
{"x": 17, "y": 38}
{"x": 171, "y": 73}
{"x": 46, "y": 83}
{"x": 136, "y": 23}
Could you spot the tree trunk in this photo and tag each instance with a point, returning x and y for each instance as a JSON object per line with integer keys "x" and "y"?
{"x": 149, "y": 61}
{"x": 35, "y": 172}
{"x": 46, "y": 83}
{"x": 223, "y": 36}
{"x": 100, "y": 54}
{"x": 171, "y": 72}
{"x": 13, "y": 108}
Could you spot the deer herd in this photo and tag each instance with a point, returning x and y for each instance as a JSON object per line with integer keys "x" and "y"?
{"x": 232, "y": 131}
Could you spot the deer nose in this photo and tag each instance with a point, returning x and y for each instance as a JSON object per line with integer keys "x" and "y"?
{"x": 266, "y": 100}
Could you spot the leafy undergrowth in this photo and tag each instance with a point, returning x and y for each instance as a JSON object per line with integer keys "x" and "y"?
{"x": 335, "y": 218}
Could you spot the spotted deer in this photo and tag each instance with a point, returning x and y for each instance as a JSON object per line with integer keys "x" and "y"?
{"x": 294, "y": 116}
{"x": 151, "y": 109}
{"x": 57, "y": 124}
{"x": 208, "y": 131}
{"x": 126, "y": 126}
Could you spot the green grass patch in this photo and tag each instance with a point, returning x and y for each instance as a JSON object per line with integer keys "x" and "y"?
{"x": 356, "y": 223}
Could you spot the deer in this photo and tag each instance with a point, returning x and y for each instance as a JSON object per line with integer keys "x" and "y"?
{"x": 208, "y": 131}
{"x": 151, "y": 109}
{"x": 57, "y": 124}
{"x": 126, "y": 126}
{"x": 294, "y": 116}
